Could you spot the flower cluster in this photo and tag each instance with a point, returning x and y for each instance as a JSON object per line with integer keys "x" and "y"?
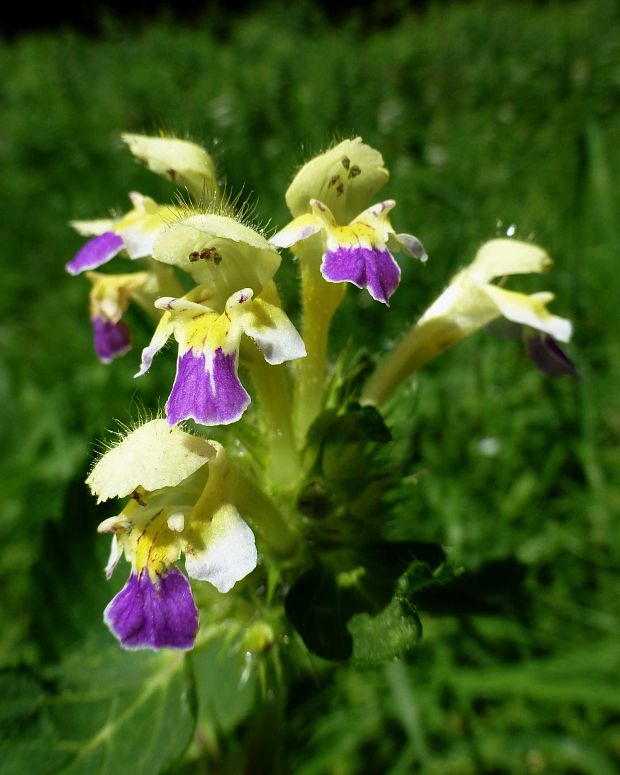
{"x": 208, "y": 279}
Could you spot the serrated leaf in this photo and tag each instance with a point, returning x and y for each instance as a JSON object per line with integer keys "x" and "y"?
{"x": 122, "y": 713}
{"x": 322, "y": 601}
{"x": 390, "y": 634}
{"x": 497, "y": 586}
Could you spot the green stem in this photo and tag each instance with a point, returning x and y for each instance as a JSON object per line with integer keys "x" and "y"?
{"x": 424, "y": 342}
{"x": 320, "y": 300}
{"x": 273, "y": 390}
{"x": 252, "y": 501}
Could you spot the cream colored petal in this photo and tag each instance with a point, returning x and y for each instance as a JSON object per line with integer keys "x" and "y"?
{"x": 110, "y": 293}
{"x": 530, "y": 311}
{"x": 152, "y": 456}
{"x": 297, "y": 230}
{"x": 226, "y": 550}
{"x": 93, "y": 228}
{"x": 500, "y": 257}
{"x": 345, "y": 177}
{"x": 219, "y": 252}
{"x": 464, "y": 305}
{"x": 180, "y": 161}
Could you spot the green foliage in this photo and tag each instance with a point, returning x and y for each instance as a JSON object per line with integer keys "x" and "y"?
{"x": 488, "y": 115}
{"x": 103, "y": 711}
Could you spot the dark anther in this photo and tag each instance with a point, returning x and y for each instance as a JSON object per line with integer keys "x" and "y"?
{"x": 354, "y": 171}
{"x": 345, "y": 161}
{"x": 172, "y": 174}
{"x": 333, "y": 180}
{"x": 138, "y": 498}
{"x": 340, "y": 189}
{"x": 206, "y": 254}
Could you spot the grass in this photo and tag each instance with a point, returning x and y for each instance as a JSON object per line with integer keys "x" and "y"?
{"x": 488, "y": 115}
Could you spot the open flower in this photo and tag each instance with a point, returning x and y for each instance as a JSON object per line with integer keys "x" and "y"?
{"x": 358, "y": 253}
{"x": 206, "y": 387}
{"x": 180, "y": 504}
{"x": 135, "y": 232}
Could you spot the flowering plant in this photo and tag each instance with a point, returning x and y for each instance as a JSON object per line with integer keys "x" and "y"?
{"x": 272, "y": 486}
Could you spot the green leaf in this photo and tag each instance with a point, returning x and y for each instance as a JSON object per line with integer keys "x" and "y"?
{"x": 225, "y": 688}
{"x": 391, "y": 633}
{"x": 106, "y": 711}
{"x": 340, "y": 584}
{"x": 70, "y": 589}
{"x": 497, "y": 586}
{"x": 27, "y": 737}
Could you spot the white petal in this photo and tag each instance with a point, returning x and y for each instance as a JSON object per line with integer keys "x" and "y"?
{"x": 273, "y": 332}
{"x": 139, "y": 243}
{"x": 115, "y": 555}
{"x": 176, "y": 522}
{"x": 530, "y": 311}
{"x": 229, "y": 553}
{"x": 160, "y": 337}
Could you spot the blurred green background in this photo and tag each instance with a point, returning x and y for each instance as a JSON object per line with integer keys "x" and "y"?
{"x": 490, "y": 116}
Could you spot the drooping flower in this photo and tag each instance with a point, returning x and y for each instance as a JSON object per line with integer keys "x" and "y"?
{"x": 181, "y": 504}
{"x": 180, "y": 161}
{"x": 358, "y": 253}
{"x": 135, "y": 232}
{"x": 206, "y": 386}
{"x": 471, "y": 301}
{"x": 344, "y": 178}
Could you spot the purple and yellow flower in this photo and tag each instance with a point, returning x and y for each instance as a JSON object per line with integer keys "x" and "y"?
{"x": 135, "y": 232}
{"x": 181, "y": 504}
{"x": 109, "y": 298}
{"x": 206, "y": 387}
{"x": 358, "y": 253}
